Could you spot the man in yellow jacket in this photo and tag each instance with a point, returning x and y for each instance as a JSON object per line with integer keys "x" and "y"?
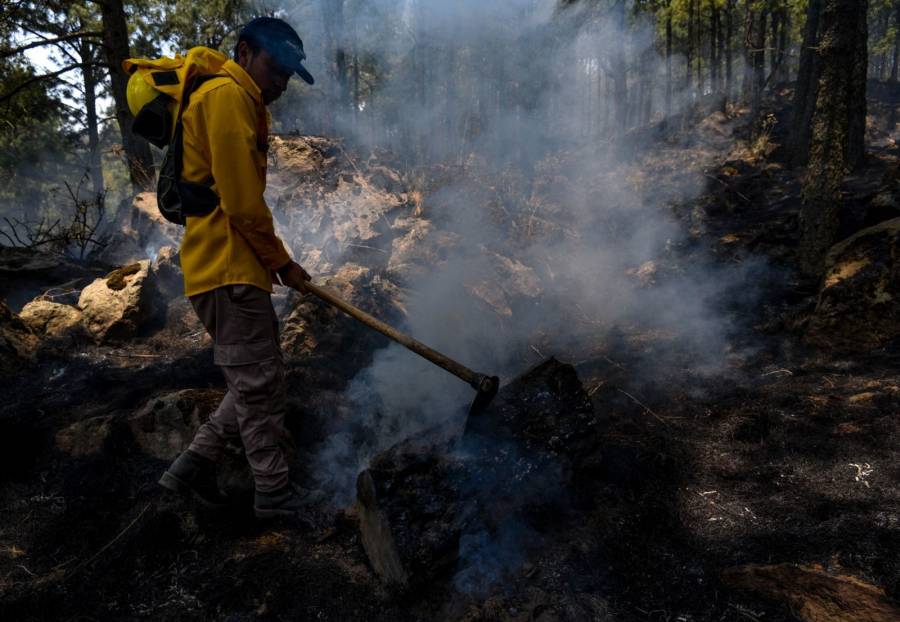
{"x": 230, "y": 258}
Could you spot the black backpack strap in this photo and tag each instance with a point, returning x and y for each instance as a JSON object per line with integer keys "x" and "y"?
{"x": 177, "y": 144}
{"x": 177, "y": 199}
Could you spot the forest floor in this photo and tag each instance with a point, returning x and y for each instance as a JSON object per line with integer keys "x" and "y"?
{"x": 787, "y": 454}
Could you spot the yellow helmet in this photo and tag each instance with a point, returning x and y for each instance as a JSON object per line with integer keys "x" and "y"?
{"x": 139, "y": 93}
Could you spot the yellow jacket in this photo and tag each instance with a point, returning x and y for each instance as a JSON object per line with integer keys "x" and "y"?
{"x": 225, "y": 134}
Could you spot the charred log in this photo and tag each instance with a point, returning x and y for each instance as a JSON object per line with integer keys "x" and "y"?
{"x": 516, "y": 464}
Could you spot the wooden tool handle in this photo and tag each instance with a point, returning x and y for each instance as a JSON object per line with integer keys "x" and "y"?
{"x": 458, "y": 370}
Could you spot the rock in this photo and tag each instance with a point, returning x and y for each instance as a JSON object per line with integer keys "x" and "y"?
{"x": 716, "y": 130}
{"x": 17, "y": 342}
{"x": 167, "y": 269}
{"x": 84, "y": 438}
{"x": 318, "y": 334}
{"x": 140, "y": 232}
{"x": 325, "y": 202}
{"x": 53, "y": 320}
{"x": 417, "y": 249}
{"x": 815, "y": 595}
{"x": 858, "y": 308}
{"x": 165, "y": 425}
{"x": 26, "y": 274}
{"x": 117, "y": 306}
{"x": 509, "y": 282}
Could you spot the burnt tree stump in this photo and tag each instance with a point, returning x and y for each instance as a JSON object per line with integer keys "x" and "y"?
{"x": 515, "y": 463}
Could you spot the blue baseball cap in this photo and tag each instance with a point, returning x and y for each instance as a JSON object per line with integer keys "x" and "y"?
{"x": 280, "y": 40}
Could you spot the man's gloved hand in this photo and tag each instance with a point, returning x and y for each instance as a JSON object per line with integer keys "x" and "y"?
{"x": 293, "y": 275}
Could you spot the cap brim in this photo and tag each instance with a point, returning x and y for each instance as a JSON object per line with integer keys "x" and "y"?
{"x": 303, "y": 73}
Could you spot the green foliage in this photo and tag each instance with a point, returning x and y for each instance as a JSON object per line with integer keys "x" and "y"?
{"x": 182, "y": 25}
{"x": 34, "y": 145}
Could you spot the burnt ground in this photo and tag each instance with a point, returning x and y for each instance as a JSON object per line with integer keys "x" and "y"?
{"x": 786, "y": 453}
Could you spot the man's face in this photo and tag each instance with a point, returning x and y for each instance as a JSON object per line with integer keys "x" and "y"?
{"x": 269, "y": 76}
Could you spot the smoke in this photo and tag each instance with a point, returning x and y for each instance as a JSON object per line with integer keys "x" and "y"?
{"x": 563, "y": 234}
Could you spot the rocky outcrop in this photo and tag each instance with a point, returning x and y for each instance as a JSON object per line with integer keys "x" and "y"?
{"x": 17, "y": 341}
{"x": 117, "y": 306}
{"x": 318, "y": 334}
{"x": 167, "y": 269}
{"x": 53, "y": 320}
{"x": 417, "y": 248}
{"x": 165, "y": 425}
{"x": 506, "y": 283}
{"x": 331, "y": 209}
{"x": 85, "y": 438}
{"x": 140, "y": 232}
{"x": 26, "y": 273}
{"x": 858, "y": 305}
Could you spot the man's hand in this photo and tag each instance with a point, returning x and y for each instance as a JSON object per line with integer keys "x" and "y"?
{"x": 293, "y": 275}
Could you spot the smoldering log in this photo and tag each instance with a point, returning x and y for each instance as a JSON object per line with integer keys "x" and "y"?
{"x": 515, "y": 462}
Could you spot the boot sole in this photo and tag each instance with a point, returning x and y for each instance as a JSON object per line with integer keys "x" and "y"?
{"x": 176, "y": 484}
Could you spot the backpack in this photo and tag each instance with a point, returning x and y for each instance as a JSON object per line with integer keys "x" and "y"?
{"x": 159, "y": 121}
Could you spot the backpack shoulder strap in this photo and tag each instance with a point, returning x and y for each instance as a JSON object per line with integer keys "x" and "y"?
{"x": 177, "y": 145}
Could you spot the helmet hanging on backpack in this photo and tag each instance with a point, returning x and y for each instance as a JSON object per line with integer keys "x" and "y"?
{"x": 139, "y": 93}
{"x": 157, "y": 87}
{"x": 154, "y": 112}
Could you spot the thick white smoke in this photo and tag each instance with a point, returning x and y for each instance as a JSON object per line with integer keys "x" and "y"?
{"x": 530, "y": 118}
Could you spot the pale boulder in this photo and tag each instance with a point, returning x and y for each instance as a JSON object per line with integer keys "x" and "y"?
{"x": 116, "y": 306}
{"x": 53, "y": 320}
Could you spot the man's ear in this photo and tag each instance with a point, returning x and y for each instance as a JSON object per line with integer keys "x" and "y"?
{"x": 245, "y": 54}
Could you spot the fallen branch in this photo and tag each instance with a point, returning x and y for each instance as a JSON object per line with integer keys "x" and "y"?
{"x": 642, "y": 405}
{"x": 749, "y": 202}
{"x": 108, "y": 544}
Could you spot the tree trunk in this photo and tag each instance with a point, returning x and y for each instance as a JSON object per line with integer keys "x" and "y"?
{"x": 806, "y": 90}
{"x": 838, "y": 126}
{"x": 95, "y": 161}
{"x": 354, "y": 100}
{"x": 689, "y": 51}
{"x": 896, "y": 57}
{"x": 757, "y": 62}
{"x": 774, "y": 57}
{"x": 336, "y": 62}
{"x": 699, "y": 47}
{"x": 747, "y": 78}
{"x": 647, "y": 81}
{"x": 713, "y": 46}
{"x": 619, "y": 75}
{"x": 669, "y": 62}
{"x": 115, "y": 42}
{"x": 782, "y": 74}
{"x": 729, "y": 37}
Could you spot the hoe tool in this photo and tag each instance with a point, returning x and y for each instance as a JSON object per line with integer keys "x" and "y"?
{"x": 485, "y": 385}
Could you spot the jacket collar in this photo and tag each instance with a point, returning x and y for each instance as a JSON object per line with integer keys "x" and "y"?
{"x": 243, "y": 78}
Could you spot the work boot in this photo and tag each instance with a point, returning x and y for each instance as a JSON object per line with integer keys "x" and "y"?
{"x": 193, "y": 474}
{"x": 292, "y": 500}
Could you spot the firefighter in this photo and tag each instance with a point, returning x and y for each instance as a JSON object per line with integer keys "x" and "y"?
{"x": 230, "y": 258}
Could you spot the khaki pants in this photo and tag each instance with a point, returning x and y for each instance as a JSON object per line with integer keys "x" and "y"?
{"x": 242, "y": 323}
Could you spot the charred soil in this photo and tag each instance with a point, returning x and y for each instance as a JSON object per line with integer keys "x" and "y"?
{"x": 784, "y": 453}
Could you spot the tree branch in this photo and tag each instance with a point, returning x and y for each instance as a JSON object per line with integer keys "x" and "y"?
{"x": 47, "y": 76}
{"x": 36, "y": 44}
